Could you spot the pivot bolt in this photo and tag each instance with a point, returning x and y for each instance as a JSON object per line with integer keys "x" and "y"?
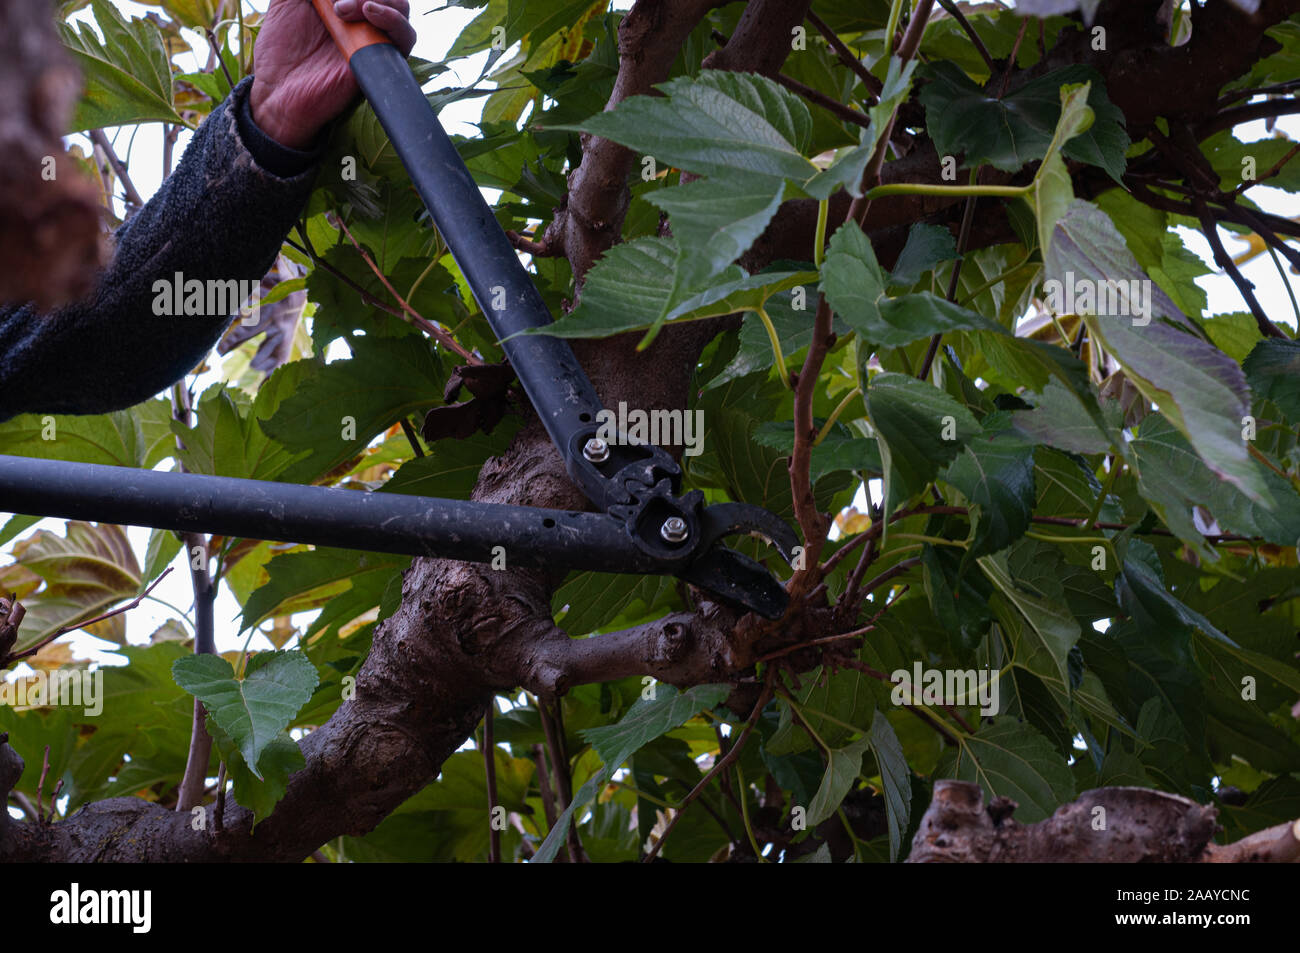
{"x": 674, "y": 529}
{"x": 596, "y": 450}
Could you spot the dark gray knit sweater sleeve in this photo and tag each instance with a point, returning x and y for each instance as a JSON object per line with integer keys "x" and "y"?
{"x": 221, "y": 215}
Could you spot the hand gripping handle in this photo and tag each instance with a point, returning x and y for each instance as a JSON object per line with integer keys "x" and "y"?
{"x": 348, "y": 37}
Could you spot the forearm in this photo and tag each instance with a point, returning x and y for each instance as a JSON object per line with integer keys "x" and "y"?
{"x": 220, "y": 216}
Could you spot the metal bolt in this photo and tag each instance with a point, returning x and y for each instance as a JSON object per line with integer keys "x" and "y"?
{"x": 674, "y": 529}
{"x": 596, "y": 450}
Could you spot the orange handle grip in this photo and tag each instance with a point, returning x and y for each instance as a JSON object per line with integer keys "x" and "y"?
{"x": 348, "y": 37}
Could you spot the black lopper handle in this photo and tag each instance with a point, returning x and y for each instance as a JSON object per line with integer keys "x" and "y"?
{"x": 552, "y": 377}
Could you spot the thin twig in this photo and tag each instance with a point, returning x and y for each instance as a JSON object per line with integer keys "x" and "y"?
{"x": 1271, "y": 238}
{"x": 1240, "y": 94}
{"x": 955, "y": 12}
{"x": 119, "y": 167}
{"x": 40, "y": 788}
{"x": 428, "y": 327}
{"x": 1277, "y": 167}
{"x": 838, "y": 556}
{"x": 1210, "y": 227}
{"x": 963, "y": 237}
{"x": 861, "y": 205}
{"x": 1011, "y": 60}
{"x": 25, "y": 804}
{"x": 781, "y": 653}
{"x": 718, "y": 766}
{"x": 490, "y": 769}
{"x": 563, "y": 782}
{"x": 847, "y": 56}
{"x": 219, "y": 813}
{"x": 72, "y": 627}
{"x": 893, "y": 572}
{"x": 198, "y": 557}
{"x": 1268, "y": 109}
{"x": 834, "y": 106}
{"x": 544, "y": 786}
{"x": 812, "y": 522}
{"x": 216, "y": 50}
{"x": 530, "y": 247}
{"x": 411, "y": 437}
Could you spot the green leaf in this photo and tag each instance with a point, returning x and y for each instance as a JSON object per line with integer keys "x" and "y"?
{"x": 16, "y": 526}
{"x": 1174, "y": 480}
{"x": 1052, "y": 190}
{"x": 645, "y": 721}
{"x": 634, "y": 286}
{"x": 1273, "y": 370}
{"x": 854, "y": 284}
{"x": 996, "y": 473}
{"x": 338, "y": 408}
{"x": 927, "y": 246}
{"x": 162, "y": 549}
{"x": 596, "y": 599}
{"x": 300, "y": 581}
{"x": 845, "y": 171}
{"x": 842, "y": 769}
{"x": 253, "y": 710}
{"x": 451, "y": 467}
{"x": 1199, "y": 388}
{"x": 835, "y": 708}
{"x": 714, "y": 222}
{"x": 1016, "y": 129}
{"x": 226, "y": 439}
{"x": 128, "y": 78}
{"x": 259, "y": 792}
{"x": 896, "y": 779}
{"x": 920, "y": 430}
{"x": 1030, "y": 591}
{"x": 84, "y": 573}
{"x": 794, "y": 329}
{"x": 1157, "y": 611}
{"x": 138, "y": 437}
{"x": 1012, "y": 759}
{"x": 1060, "y": 419}
{"x": 1235, "y": 334}
{"x": 715, "y": 123}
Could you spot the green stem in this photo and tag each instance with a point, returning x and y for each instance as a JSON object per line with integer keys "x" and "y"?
{"x": 997, "y": 279}
{"x": 895, "y": 13}
{"x": 184, "y": 617}
{"x": 848, "y": 829}
{"x": 1056, "y": 322}
{"x": 1286, "y": 282}
{"x": 912, "y": 188}
{"x": 819, "y": 248}
{"x": 776, "y": 345}
{"x": 803, "y": 723}
{"x": 744, "y": 814}
{"x": 1070, "y": 539}
{"x": 831, "y": 718}
{"x": 835, "y": 415}
{"x": 642, "y": 794}
{"x": 1115, "y": 467}
{"x": 932, "y": 540}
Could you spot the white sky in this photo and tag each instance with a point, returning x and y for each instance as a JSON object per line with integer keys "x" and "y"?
{"x": 437, "y": 28}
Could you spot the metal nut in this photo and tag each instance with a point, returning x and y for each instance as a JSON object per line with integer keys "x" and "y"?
{"x": 596, "y": 450}
{"x": 674, "y": 529}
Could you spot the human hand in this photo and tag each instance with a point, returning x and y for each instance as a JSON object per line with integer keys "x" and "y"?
{"x": 300, "y": 79}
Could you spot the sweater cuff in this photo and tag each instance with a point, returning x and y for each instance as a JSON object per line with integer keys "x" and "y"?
{"x": 277, "y": 159}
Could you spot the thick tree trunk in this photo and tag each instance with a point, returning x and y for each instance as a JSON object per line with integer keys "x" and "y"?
{"x": 50, "y": 240}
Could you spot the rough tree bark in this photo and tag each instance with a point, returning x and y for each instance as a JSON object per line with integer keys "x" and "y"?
{"x": 1107, "y": 825}
{"x": 50, "y": 240}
